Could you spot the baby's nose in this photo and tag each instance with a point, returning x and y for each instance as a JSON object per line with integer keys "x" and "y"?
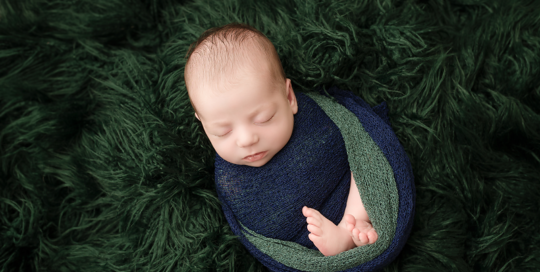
{"x": 247, "y": 139}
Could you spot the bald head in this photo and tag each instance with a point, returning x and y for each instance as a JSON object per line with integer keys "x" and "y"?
{"x": 223, "y": 56}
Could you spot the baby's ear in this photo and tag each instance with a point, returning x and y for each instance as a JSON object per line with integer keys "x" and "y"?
{"x": 291, "y": 97}
{"x": 196, "y": 116}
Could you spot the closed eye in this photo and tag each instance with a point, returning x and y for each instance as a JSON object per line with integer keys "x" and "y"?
{"x": 222, "y": 134}
{"x": 267, "y": 120}
{"x": 255, "y": 123}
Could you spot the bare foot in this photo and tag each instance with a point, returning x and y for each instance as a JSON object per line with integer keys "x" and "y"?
{"x": 327, "y": 237}
{"x": 361, "y": 231}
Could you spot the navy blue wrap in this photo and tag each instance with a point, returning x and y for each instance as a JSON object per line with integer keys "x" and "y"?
{"x": 311, "y": 170}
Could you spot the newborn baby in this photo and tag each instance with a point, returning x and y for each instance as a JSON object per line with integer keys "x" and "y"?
{"x": 246, "y": 106}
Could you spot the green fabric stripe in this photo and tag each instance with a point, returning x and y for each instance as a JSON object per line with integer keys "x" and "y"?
{"x": 375, "y": 180}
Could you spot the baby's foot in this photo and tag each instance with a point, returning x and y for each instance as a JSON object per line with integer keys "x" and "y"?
{"x": 362, "y": 232}
{"x": 327, "y": 237}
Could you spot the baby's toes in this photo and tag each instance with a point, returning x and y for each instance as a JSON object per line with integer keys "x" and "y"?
{"x": 313, "y": 221}
{"x": 354, "y": 235}
{"x": 364, "y": 239}
{"x": 306, "y": 211}
{"x": 373, "y": 236}
{"x": 315, "y": 239}
{"x": 315, "y": 230}
{"x": 309, "y": 212}
{"x": 351, "y": 222}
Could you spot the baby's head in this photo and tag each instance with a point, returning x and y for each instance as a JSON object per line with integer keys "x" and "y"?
{"x": 237, "y": 87}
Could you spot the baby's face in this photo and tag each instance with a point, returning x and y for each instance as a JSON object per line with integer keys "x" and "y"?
{"x": 250, "y": 122}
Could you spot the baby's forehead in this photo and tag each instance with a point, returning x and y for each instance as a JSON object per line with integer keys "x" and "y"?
{"x": 215, "y": 99}
{"x": 236, "y": 94}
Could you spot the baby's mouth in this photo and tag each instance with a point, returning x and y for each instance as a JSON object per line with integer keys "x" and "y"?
{"x": 256, "y": 156}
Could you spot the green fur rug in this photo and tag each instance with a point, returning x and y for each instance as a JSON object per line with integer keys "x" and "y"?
{"x": 104, "y": 167}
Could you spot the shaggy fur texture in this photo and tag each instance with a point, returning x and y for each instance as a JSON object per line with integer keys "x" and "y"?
{"x": 105, "y": 168}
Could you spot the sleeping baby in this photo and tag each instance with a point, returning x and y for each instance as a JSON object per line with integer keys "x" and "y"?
{"x": 247, "y": 107}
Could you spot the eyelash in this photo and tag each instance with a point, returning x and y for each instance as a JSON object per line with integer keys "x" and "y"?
{"x": 256, "y": 123}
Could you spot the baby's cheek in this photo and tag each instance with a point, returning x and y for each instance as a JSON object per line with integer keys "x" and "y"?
{"x": 220, "y": 149}
{"x": 280, "y": 137}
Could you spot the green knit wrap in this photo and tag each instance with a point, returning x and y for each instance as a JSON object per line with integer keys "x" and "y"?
{"x": 375, "y": 181}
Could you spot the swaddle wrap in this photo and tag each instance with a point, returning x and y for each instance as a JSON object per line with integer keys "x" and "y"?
{"x": 263, "y": 205}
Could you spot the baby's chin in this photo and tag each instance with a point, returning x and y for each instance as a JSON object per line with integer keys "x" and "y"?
{"x": 258, "y": 163}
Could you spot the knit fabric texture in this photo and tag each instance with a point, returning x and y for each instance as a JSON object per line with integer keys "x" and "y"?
{"x": 330, "y": 139}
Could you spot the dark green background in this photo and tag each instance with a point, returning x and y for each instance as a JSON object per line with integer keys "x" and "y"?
{"x": 105, "y": 168}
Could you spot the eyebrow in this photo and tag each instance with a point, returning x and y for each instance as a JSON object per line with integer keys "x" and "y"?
{"x": 257, "y": 110}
